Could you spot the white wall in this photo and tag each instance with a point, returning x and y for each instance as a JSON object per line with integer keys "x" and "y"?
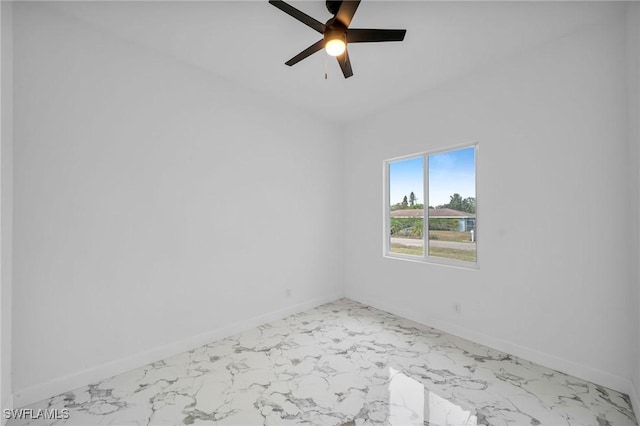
{"x": 554, "y": 209}
{"x": 633, "y": 90}
{"x": 6, "y": 202}
{"x": 157, "y": 206}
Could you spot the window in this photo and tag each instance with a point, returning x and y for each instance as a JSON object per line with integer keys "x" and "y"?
{"x": 440, "y": 186}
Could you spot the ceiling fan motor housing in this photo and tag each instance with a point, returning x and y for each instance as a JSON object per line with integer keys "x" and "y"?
{"x": 335, "y": 30}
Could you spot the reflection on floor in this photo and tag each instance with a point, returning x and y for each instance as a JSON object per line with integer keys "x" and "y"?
{"x": 410, "y": 402}
{"x": 340, "y": 364}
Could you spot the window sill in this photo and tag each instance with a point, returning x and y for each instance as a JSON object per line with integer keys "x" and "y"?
{"x": 432, "y": 260}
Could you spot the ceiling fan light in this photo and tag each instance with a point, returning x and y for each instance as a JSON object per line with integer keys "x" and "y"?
{"x": 335, "y": 47}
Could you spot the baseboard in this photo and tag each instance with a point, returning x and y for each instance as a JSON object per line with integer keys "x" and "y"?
{"x": 7, "y": 404}
{"x": 98, "y": 373}
{"x": 634, "y": 396}
{"x": 620, "y": 384}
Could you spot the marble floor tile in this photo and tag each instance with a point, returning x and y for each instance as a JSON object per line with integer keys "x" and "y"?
{"x": 342, "y": 363}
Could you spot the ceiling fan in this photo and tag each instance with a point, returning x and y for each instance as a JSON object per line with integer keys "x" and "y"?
{"x": 336, "y": 32}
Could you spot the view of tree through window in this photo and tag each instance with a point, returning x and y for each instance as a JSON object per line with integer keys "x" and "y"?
{"x": 451, "y": 212}
{"x": 406, "y": 188}
{"x": 452, "y": 204}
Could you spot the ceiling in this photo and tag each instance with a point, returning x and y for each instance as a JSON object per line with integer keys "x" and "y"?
{"x": 247, "y": 42}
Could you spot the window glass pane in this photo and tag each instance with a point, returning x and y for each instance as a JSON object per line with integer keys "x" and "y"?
{"x": 406, "y": 210}
{"x": 452, "y": 204}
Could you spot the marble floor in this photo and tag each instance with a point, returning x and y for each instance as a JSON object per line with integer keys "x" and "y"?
{"x": 342, "y": 363}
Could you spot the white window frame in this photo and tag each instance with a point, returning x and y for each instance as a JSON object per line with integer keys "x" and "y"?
{"x": 425, "y": 258}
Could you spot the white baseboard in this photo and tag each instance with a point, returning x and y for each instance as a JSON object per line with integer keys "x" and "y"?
{"x": 620, "y": 384}
{"x": 7, "y": 404}
{"x": 97, "y": 373}
{"x": 634, "y": 396}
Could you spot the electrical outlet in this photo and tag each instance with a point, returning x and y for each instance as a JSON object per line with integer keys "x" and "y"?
{"x": 287, "y": 292}
{"x": 457, "y": 307}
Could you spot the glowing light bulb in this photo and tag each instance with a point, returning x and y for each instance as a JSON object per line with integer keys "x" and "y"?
{"x": 335, "y": 47}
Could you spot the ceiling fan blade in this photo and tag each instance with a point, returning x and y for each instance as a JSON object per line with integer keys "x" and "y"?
{"x": 346, "y": 11}
{"x": 299, "y": 15}
{"x": 345, "y": 64}
{"x": 306, "y": 53}
{"x": 363, "y": 35}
